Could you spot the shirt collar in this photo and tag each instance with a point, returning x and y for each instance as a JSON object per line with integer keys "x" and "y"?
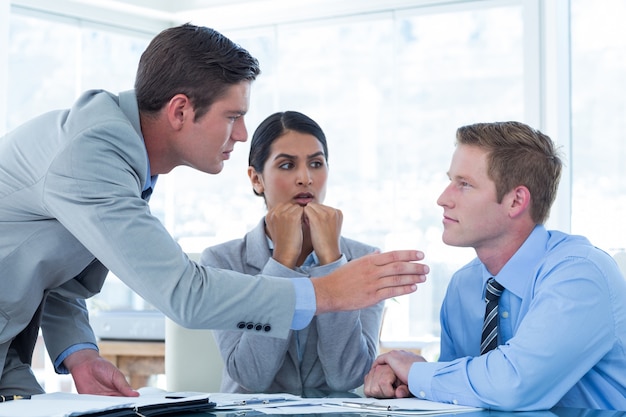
{"x": 523, "y": 262}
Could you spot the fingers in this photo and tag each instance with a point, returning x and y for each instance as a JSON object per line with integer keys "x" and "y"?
{"x": 122, "y": 386}
{"x": 325, "y": 231}
{"x": 284, "y": 226}
{"x": 398, "y": 269}
{"x": 368, "y": 280}
{"x": 397, "y": 256}
{"x": 380, "y": 382}
{"x": 402, "y": 391}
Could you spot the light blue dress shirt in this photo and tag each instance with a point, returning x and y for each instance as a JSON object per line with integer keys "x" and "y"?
{"x": 562, "y": 332}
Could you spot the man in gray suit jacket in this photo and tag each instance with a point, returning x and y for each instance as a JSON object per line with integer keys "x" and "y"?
{"x": 74, "y": 190}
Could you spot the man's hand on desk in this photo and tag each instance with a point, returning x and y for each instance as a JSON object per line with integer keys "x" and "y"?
{"x": 389, "y": 375}
{"x": 93, "y": 374}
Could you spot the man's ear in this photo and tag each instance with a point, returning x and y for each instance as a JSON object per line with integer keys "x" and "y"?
{"x": 519, "y": 201}
{"x": 256, "y": 180}
{"x": 179, "y": 110}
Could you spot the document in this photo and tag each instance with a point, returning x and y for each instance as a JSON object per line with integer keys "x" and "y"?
{"x": 288, "y": 404}
{"x": 236, "y": 401}
{"x": 162, "y": 403}
{"x": 396, "y": 406}
{"x": 82, "y": 405}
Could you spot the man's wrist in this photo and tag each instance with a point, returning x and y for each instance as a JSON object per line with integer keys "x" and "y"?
{"x": 61, "y": 364}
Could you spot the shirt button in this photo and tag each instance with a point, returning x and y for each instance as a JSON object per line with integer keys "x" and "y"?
{"x": 422, "y": 394}
{"x": 456, "y": 402}
{"x": 505, "y": 314}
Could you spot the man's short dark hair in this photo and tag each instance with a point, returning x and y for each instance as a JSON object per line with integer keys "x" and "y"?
{"x": 193, "y": 60}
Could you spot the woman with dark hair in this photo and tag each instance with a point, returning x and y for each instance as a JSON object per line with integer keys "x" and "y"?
{"x": 299, "y": 236}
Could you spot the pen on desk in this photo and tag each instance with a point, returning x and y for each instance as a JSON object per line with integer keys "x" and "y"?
{"x": 260, "y": 401}
{"x": 5, "y": 398}
{"x": 368, "y": 406}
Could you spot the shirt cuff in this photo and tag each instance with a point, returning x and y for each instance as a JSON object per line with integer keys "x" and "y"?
{"x": 420, "y": 379}
{"x": 306, "y": 304}
{"x": 58, "y": 363}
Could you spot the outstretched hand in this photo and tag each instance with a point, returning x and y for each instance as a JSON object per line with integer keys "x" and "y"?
{"x": 368, "y": 280}
{"x": 93, "y": 374}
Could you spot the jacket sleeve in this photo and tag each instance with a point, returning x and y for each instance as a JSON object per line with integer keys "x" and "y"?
{"x": 65, "y": 319}
{"x": 348, "y": 341}
{"x": 93, "y": 189}
{"x": 251, "y": 361}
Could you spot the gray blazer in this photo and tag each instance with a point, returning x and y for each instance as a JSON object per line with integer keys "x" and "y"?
{"x": 338, "y": 348}
{"x": 71, "y": 209}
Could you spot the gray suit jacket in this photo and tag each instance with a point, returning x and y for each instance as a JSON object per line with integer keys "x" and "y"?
{"x": 338, "y": 348}
{"x": 71, "y": 208}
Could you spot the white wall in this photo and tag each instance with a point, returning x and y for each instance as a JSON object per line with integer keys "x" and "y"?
{"x": 4, "y": 46}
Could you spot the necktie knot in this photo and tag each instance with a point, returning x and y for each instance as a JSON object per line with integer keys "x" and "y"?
{"x": 494, "y": 290}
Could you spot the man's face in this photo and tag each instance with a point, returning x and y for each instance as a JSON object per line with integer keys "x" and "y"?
{"x": 471, "y": 215}
{"x": 207, "y": 142}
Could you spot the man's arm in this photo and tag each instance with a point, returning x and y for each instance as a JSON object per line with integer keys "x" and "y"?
{"x": 368, "y": 280}
{"x": 565, "y": 332}
{"x": 66, "y": 331}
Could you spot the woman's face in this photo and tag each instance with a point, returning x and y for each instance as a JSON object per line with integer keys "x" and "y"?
{"x": 295, "y": 171}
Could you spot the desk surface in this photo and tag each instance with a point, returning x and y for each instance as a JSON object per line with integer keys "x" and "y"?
{"x": 555, "y": 412}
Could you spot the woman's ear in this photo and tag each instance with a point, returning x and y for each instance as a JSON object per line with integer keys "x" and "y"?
{"x": 256, "y": 180}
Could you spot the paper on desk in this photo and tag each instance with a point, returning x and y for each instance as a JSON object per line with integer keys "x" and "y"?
{"x": 228, "y": 400}
{"x": 396, "y": 406}
{"x": 399, "y": 406}
{"x": 60, "y": 404}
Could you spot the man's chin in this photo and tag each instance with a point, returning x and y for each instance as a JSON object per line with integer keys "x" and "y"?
{"x": 213, "y": 170}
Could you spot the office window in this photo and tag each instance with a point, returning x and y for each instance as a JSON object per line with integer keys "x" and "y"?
{"x": 51, "y": 62}
{"x": 389, "y": 90}
{"x": 599, "y": 122}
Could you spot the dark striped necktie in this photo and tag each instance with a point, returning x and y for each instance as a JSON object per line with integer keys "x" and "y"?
{"x": 489, "y": 339}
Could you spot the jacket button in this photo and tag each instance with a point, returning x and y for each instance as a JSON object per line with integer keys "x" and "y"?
{"x": 249, "y": 325}
{"x": 267, "y": 327}
{"x": 241, "y": 325}
{"x": 258, "y": 327}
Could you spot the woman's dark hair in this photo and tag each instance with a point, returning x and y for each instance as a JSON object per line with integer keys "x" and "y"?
{"x": 277, "y": 125}
{"x": 193, "y": 60}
